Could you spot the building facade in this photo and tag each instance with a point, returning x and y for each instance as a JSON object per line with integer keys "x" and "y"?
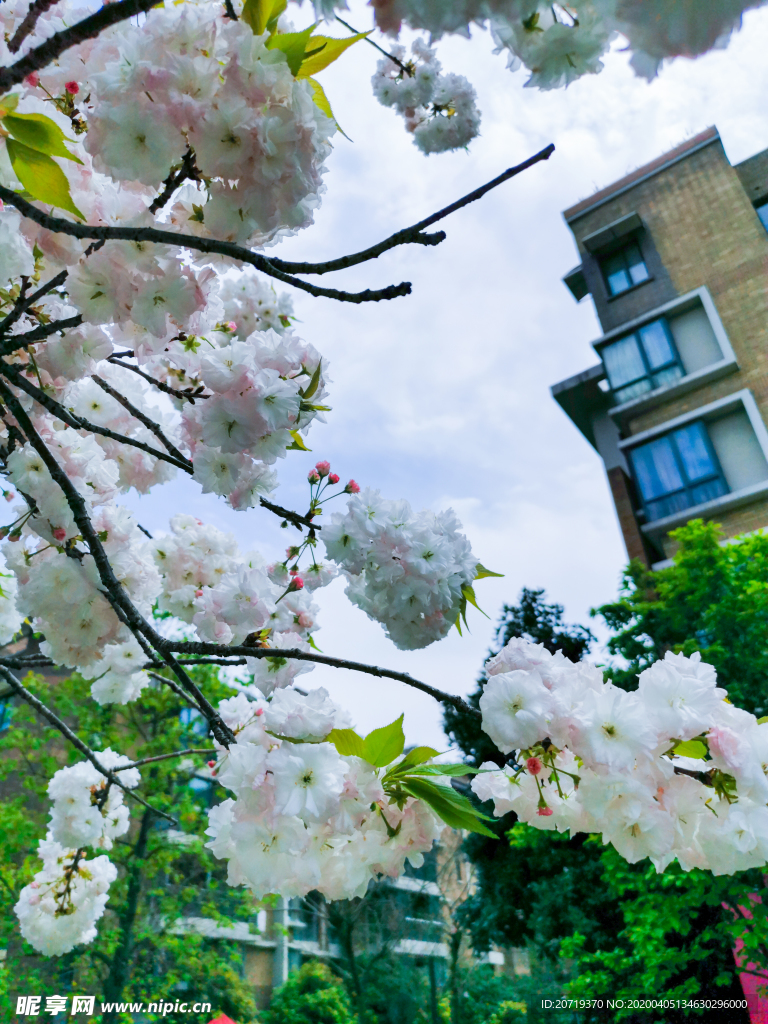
{"x": 675, "y": 258}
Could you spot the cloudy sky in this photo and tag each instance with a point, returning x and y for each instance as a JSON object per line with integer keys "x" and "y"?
{"x": 443, "y": 397}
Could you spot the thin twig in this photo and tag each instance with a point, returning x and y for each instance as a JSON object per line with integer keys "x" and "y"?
{"x": 163, "y": 757}
{"x": 139, "y": 415}
{"x": 23, "y": 305}
{"x": 395, "y": 60}
{"x": 205, "y": 245}
{"x": 415, "y": 232}
{"x": 44, "y": 54}
{"x": 17, "y": 341}
{"x": 190, "y": 396}
{"x": 80, "y": 423}
{"x": 171, "y": 685}
{"x": 187, "y": 172}
{"x": 75, "y": 740}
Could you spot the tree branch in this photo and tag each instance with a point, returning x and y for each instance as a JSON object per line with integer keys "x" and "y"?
{"x": 163, "y": 757}
{"x": 80, "y": 423}
{"x": 413, "y": 234}
{"x": 17, "y": 341}
{"x": 88, "y": 28}
{"x": 204, "y": 245}
{"x": 24, "y": 304}
{"x": 36, "y": 8}
{"x": 190, "y": 396}
{"x": 148, "y": 423}
{"x": 197, "y": 647}
{"x": 292, "y": 517}
{"x": 114, "y": 591}
{"x": 171, "y": 685}
{"x": 76, "y": 742}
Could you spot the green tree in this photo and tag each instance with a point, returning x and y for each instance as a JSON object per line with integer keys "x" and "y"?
{"x": 164, "y": 872}
{"x": 311, "y": 995}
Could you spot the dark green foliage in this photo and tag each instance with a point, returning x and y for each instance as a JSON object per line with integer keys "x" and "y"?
{"x": 713, "y": 599}
{"x": 312, "y": 995}
{"x": 136, "y": 956}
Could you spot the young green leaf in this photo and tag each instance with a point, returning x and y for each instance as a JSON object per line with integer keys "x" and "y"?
{"x": 481, "y": 572}
{"x": 39, "y": 132}
{"x": 451, "y": 807}
{"x": 8, "y": 103}
{"x": 330, "y": 49}
{"x": 293, "y": 45}
{"x": 322, "y": 101}
{"x": 314, "y": 382}
{"x": 763, "y": 720}
{"x": 469, "y": 593}
{"x": 383, "y": 745}
{"x": 298, "y": 443}
{"x": 418, "y": 756}
{"x": 41, "y": 176}
{"x": 260, "y": 13}
{"x": 453, "y": 770}
{"x": 312, "y": 644}
{"x": 347, "y": 742}
{"x": 692, "y": 748}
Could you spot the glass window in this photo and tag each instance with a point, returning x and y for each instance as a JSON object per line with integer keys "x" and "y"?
{"x": 677, "y": 471}
{"x": 624, "y": 268}
{"x": 762, "y": 213}
{"x": 642, "y": 361}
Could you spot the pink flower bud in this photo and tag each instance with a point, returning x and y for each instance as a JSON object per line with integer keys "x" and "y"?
{"x": 15, "y": 536}
{"x": 534, "y": 766}
{"x": 323, "y": 468}
{"x": 3, "y": 532}
{"x": 259, "y": 711}
{"x": 60, "y": 533}
{"x": 313, "y": 476}
{"x": 198, "y": 593}
{"x": 352, "y": 488}
{"x": 211, "y": 764}
{"x": 9, "y": 495}
{"x": 231, "y": 326}
{"x": 297, "y": 583}
{"x": 544, "y": 811}
{"x": 72, "y": 88}
{"x": 333, "y": 478}
{"x": 32, "y": 80}
{"x": 294, "y": 571}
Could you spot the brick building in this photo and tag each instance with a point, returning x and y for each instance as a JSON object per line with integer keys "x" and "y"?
{"x": 675, "y": 257}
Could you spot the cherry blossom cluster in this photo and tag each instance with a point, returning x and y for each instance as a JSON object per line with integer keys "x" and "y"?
{"x": 669, "y": 771}
{"x": 59, "y": 908}
{"x": 439, "y": 110}
{"x": 406, "y": 570}
{"x": 304, "y": 817}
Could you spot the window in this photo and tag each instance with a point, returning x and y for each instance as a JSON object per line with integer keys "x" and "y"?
{"x": 624, "y": 268}
{"x": 677, "y": 471}
{"x": 642, "y": 361}
{"x": 762, "y": 212}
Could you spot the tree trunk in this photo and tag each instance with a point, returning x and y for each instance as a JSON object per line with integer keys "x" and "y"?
{"x": 453, "y": 976}
{"x": 120, "y": 968}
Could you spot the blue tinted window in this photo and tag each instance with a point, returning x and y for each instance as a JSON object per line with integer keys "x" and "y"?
{"x": 762, "y": 213}
{"x": 677, "y": 471}
{"x": 641, "y": 362}
{"x": 624, "y": 268}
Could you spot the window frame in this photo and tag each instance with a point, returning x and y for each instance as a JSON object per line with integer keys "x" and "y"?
{"x": 650, "y": 373}
{"x": 688, "y": 484}
{"x": 616, "y": 250}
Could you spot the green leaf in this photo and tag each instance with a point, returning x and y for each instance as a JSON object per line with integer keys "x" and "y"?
{"x": 452, "y": 770}
{"x": 453, "y": 808}
{"x": 314, "y": 382}
{"x": 8, "y": 103}
{"x": 417, "y": 756}
{"x": 469, "y": 593}
{"x": 322, "y": 101}
{"x": 293, "y": 45}
{"x": 692, "y": 748}
{"x": 329, "y": 50}
{"x": 260, "y": 14}
{"x": 41, "y": 176}
{"x": 39, "y": 132}
{"x": 347, "y": 742}
{"x": 481, "y": 572}
{"x": 383, "y": 745}
{"x": 763, "y": 720}
{"x": 312, "y": 644}
{"x": 298, "y": 443}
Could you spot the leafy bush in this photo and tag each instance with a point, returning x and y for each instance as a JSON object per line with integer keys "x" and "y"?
{"x": 312, "y": 995}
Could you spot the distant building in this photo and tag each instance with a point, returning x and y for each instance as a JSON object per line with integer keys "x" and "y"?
{"x": 675, "y": 257}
